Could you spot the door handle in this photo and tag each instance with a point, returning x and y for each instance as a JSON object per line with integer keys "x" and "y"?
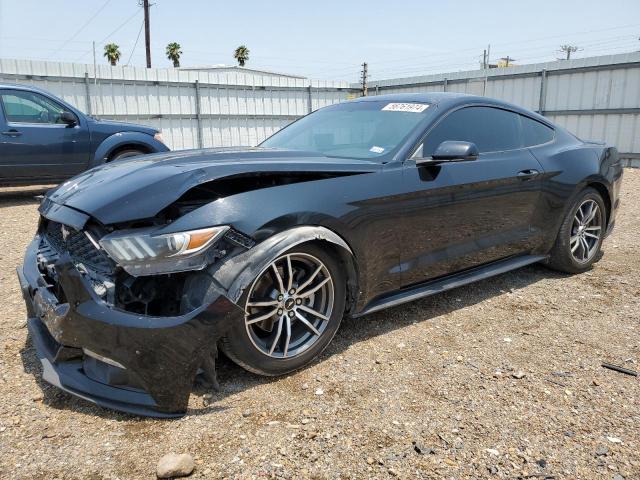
{"x": 528, "y": 174}
{"x": 12, "y": 133}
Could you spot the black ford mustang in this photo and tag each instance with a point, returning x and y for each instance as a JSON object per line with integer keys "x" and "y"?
{"x": 141, "y": 268}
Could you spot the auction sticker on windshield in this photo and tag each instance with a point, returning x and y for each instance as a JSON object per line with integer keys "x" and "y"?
{"x": 406, "y": 107}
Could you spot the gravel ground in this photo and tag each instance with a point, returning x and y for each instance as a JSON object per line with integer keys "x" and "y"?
{"x": 433, "y": 389}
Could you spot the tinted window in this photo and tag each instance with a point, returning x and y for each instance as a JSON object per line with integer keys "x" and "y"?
{"x": 28, "y": 107}
{"x": 369, "y": 129}
{"x": 534, "y": 132}
{"x": 491, "y": 129}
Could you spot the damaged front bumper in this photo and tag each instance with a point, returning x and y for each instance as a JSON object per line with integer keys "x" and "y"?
{"x": 140, "y": 364}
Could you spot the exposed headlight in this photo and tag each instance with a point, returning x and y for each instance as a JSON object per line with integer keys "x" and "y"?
{"x": 158, "y": 137}
{"x": 141, "y": 252}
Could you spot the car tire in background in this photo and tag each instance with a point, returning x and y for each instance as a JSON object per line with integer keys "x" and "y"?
{"x": 289, "y": 318}
{"x": 125, "y": 154}
{"x": 581, "y": 234}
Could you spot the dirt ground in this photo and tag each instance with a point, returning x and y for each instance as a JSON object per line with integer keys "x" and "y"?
{"x": 426, "y": 390}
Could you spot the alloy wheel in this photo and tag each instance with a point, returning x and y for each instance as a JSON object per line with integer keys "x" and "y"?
{"x": 586, "y": 231}
{"x": 289, "y": 305}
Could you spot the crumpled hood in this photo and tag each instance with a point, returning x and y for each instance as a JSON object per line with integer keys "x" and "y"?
{"x": 139, "y": 188}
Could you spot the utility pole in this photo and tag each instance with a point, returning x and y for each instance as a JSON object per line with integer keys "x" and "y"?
{"x": 484, "y": 59}
{"x": 507, "y": 59}
{"x": 568, "y": 49}
{"x": 365, "y": 72}
{"x": 147, "y": 32}
{"x": 95, "y": 66}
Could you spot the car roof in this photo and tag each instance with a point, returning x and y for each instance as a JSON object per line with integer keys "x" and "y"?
{"x": 449, "y": 100}
{"x": 22, "y": 86}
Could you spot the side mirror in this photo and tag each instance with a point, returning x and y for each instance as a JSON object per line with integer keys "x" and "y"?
{"x": 451, "y": 151}
{"x": 68, "y": 118}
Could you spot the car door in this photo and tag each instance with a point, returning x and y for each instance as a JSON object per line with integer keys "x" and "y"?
{"x": 464, "y": 214}
{"x": 34, "y": 142}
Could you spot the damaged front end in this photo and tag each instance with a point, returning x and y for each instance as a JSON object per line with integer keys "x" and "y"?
{"x": 138, "y": 266}
{"x": 125, "y": 335}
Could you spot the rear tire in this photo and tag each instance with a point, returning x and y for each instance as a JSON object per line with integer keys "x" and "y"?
{"x": 581, "y": 234}
{"x": 292, "y": 336}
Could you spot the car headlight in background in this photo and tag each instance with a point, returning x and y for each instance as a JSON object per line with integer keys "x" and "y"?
{"x": 141, "y": 252}
{"x": 158, "y": 137}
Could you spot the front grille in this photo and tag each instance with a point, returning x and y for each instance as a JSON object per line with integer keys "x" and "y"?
{"x": 78, "y": 246}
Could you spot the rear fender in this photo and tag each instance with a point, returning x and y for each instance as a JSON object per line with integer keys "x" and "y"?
{"x": 590, "y": 165}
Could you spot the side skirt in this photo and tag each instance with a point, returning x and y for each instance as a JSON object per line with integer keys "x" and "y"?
{"x": 447, "y": 283}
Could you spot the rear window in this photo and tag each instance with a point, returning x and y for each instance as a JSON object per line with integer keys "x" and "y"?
{"x": 491, "y": 129}
{"x": 534, "y": 132}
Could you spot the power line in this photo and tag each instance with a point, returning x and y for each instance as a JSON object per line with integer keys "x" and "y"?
{"x": 509, "y": 44}
{"x": 120, "y": 26}
{"x": 447, "y": 67}
{"x": 112, "y": 33}
{"x": 136, "y": 43}
{"x": 421, "y": 66}
{"x": 549, "y": 47}
{"x": 466, "y": 65}
{"x": 104, "y": 5}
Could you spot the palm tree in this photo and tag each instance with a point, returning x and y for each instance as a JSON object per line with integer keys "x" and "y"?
{"x": 112, "y": 52}
{"x": 241, "y": 55}
{"x": 173, "y": 53}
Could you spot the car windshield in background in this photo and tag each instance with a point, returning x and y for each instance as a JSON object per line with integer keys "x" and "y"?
{"x": 358, "y": 130}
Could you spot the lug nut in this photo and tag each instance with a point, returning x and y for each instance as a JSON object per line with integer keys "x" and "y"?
{"x": 280, "y": 297}
{"x": 298, "y": 301}
{"x": 291, "y": 314}
{"x": 292, "y": 291}
{"x": 280, "y": 312}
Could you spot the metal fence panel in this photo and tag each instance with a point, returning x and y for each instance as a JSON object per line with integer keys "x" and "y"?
{"x": 224, "y": 109}
{"x": 596, "y": 98}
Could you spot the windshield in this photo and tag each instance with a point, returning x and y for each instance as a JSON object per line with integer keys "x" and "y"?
{"x": 358, "y": 130}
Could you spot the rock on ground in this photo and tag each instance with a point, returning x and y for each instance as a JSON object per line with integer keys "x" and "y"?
{"x": 175, "y": 465}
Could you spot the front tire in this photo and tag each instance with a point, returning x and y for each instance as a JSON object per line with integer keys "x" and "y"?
{"x": 293, "y": 309}
{"x": 581, "y": 234}
{"x": 126, "y": 154}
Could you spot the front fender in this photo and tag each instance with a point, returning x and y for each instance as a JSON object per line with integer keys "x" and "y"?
{"x": 237, "y": 273}
{"x": 109, "y": 144}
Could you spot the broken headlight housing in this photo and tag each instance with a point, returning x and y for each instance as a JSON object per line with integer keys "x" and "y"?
{"x": 144, "y": 252}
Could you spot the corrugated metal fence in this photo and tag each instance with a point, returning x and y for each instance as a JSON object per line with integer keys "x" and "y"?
{"x": 193, "y": 109}
{"x": 596, "y": 98}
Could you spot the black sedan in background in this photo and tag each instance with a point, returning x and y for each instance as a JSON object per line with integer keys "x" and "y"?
{"x": 142, "y": 268}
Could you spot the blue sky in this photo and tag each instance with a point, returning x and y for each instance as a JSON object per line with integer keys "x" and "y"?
{"x": 323, "y": 39}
